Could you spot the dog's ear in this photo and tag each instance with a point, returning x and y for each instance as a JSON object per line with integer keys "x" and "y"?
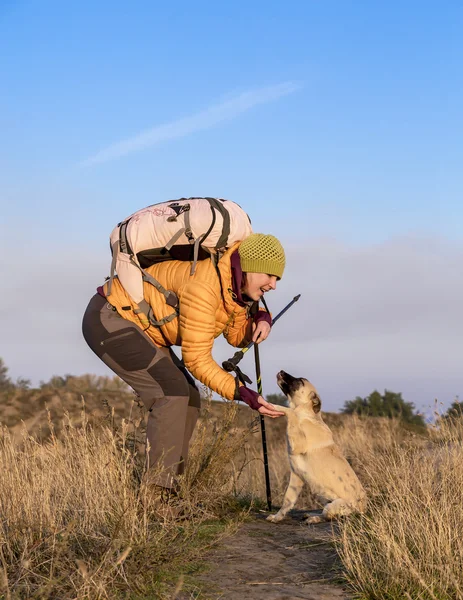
{"x": 316, "y": 402}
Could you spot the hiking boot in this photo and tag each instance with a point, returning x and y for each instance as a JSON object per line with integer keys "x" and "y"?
{"x": 167, "y": 505}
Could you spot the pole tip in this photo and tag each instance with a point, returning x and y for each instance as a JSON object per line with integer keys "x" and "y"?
{"x": 296, "y": 298}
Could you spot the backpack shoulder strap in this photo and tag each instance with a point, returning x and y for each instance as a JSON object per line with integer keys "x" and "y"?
{"x": 223, "y": 240}
{"x": 170, "y": 296}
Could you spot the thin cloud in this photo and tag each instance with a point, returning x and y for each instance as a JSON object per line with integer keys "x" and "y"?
{"x": 203, "y": 120}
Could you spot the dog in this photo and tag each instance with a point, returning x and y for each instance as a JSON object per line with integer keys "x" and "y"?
{"x": 314, "y": 457}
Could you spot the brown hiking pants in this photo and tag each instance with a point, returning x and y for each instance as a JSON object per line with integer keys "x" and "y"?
{"x": 158, "y": 377}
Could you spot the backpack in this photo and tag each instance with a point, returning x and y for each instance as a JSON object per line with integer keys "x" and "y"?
{"x": 188, "y": 229}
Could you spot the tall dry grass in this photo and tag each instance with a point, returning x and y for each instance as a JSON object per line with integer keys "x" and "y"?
{"x": 409, "y": 544}
{"x": 76, "y": 523}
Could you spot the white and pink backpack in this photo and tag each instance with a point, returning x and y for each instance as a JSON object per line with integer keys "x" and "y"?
{"x": 188, "y": 229}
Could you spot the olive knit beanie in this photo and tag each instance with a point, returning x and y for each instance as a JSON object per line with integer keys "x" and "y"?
{"x": 260, "y": 253}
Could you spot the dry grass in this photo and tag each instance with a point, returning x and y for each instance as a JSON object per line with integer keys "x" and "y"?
{"x": 409, "y": 544}
{"x": 75, "y": 522}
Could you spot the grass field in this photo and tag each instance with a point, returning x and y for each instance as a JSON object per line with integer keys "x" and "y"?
{"x": 76, "y": 521}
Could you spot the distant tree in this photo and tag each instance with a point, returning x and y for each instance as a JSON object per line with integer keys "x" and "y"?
{"x": 390, "y": 404}
{"x": 456, "y": 409}
{"x": 5, "y": 381}
{"x": 56, "y": 382}
{"x": 22, "y": 383}
{"x": 84, "y": 384}
{"x": 277, "y": 399}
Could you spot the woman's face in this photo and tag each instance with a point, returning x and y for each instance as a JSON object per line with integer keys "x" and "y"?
{"x": 257, "y": 284}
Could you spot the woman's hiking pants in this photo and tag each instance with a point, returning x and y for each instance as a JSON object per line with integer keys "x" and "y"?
{"x": 158, "y": 377}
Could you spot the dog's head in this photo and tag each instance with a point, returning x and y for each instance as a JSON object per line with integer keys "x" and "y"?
{"x": 299, "y": 391}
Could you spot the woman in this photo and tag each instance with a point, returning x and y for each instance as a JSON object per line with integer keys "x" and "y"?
{"x": 213, "y": 301}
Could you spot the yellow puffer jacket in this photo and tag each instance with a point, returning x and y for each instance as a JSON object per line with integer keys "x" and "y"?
{"x": 204, "y": 315}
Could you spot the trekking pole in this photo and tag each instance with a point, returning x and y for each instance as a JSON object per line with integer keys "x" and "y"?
{"x": 232, "y": 365}
{"x": 262, "y": 428}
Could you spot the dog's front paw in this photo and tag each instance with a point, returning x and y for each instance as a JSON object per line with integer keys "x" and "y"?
{"x": 276, "y": 518}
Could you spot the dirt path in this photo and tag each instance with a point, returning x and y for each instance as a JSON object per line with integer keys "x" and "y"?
{"x": 269, "y": 561}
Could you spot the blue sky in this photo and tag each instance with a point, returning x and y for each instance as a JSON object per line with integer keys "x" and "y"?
{"x": 337, "y": 125}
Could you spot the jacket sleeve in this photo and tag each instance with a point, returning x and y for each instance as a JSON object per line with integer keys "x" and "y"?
{"x": 239, "y": 333}
{"x": 198, "y": 306}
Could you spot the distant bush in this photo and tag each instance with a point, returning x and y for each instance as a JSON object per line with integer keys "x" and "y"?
{"x": 390, "y": 404}
{"x": 85, "y": 383}
{"x": 5, "y": 381}
{"x": 456, "y": 409}
{"x": 6, "y": 384}
{"x": 68, "y": 383}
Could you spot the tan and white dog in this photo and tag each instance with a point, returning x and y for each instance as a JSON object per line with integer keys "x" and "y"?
{"x": 314, "y": 457}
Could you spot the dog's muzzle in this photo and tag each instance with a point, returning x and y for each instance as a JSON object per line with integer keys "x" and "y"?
{"x": 287, "y": 383}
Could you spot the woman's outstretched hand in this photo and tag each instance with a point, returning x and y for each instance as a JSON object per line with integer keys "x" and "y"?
{"x": 269, "y": 410}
